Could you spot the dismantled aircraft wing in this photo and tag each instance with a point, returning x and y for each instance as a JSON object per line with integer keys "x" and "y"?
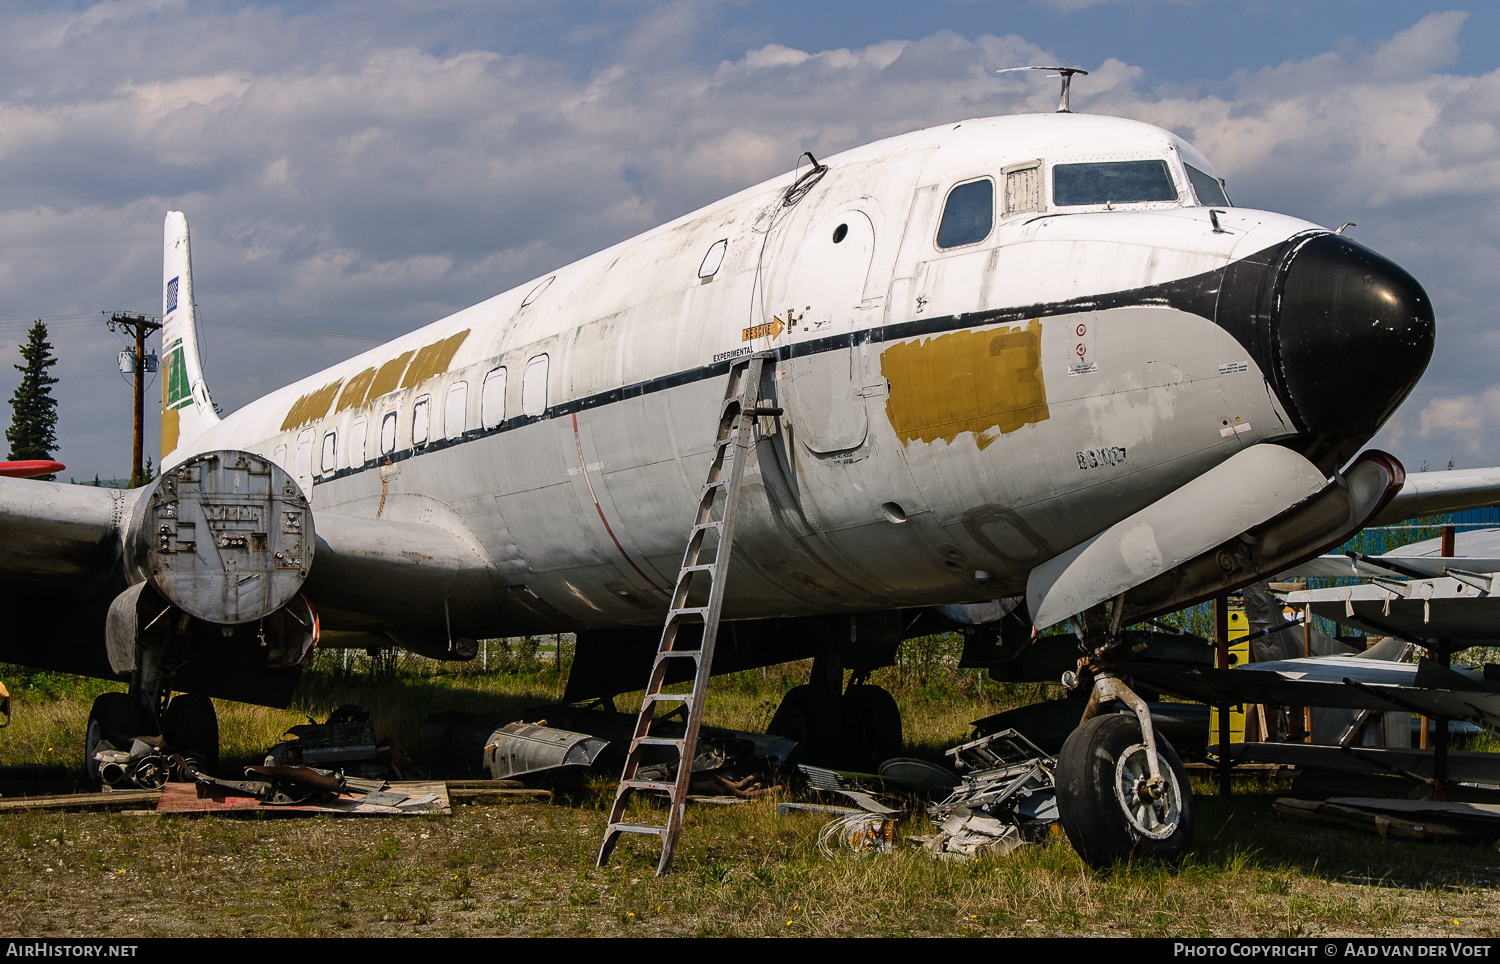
{"x": 1416, "y": 592}
{"x": 1431, "y": 493}
{"x": 1346, "y": 682}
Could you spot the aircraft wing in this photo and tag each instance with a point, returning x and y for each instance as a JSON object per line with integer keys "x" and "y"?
{"x": 1433, "y": 493}
{"x": 60, "y": 534}
{"x": 1463, "y": 766}
{"x": 220, "y": 540}
{"x": 1460, "y": 612}
{"x": 1341, "y": 682}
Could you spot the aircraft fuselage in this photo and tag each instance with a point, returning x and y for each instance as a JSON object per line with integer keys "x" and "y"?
{"x": 963, "y": 400}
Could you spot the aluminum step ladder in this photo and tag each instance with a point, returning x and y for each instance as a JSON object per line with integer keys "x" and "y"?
{"x": 700, "y": 561}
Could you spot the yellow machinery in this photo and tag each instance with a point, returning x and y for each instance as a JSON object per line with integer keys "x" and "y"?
{"x": 1239, "y": 655}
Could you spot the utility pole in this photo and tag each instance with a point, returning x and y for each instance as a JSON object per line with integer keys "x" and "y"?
{"x": 140, "y": 326}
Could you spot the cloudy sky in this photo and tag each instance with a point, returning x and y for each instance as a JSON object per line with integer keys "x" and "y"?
{"x": 354, "y": 170}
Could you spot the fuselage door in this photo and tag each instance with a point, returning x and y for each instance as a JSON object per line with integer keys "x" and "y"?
{"x": 820, "y": 302}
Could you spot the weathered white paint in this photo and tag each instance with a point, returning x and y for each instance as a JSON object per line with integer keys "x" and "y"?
{"x": 813, "y": 535}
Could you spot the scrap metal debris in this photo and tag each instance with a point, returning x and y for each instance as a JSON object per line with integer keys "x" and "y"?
{"x": 1001, "y": 798}
{"x": 302, "y": 787}
{"x": 346, "y": 742}
{"x": 562, "y": 739}
{"x": 143, "y": 766}
{"x": 1006, "y": 800}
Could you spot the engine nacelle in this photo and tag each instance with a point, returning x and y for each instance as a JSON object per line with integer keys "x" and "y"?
{"x": 226, "y": 537}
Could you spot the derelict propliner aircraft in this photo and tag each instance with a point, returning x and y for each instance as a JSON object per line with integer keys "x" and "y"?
{"x": 1033, "y": 368}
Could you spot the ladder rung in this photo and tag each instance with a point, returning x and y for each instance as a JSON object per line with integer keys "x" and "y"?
{"x": 700, "y": 611}
{"x": 648, "y": 785}
{"x": 679, "y": 697}
{"x": 706, "y": 525}
{"x": 680, "y": 654}
{"x": 636, "y": 828}
{"x": 658, "y": 741}
{"x": 702, "y": 567}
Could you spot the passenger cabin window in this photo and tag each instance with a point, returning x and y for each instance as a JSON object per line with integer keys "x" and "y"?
{"x": 968, "y": 215}
{"x": 1023, "y": 188}
{"x": 534, "y": 387}
{"x": 492, "y": 399}
{"x": 388, "y": 434}
{"x": 454, "y": 409}
{"x": 1112, "y": 182}
{"x": 357, "y": 433}
{"x": 303, "y": 465}
{"x": 1210, "y": 192}
{"x": 420, "y": 418}
{"x": 330, "y": 452}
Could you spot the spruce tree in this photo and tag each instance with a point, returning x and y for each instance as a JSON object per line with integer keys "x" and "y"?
{"x": 33, "y": 410}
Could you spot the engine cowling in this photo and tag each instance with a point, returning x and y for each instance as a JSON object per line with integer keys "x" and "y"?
{"x": 226, "y": 537}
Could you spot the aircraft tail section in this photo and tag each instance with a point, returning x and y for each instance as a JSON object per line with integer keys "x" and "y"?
{"x": 187, "y": 409}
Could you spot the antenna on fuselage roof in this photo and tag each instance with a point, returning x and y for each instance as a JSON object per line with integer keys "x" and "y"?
{"x": 1067, "y": 80}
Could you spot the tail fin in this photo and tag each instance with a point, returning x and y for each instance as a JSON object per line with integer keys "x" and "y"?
{"x": 187, "y": 410}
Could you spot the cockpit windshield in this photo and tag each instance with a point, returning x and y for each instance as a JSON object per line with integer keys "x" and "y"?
{"x": 1210, "y": 192}
{"x": 1112, "y": 182}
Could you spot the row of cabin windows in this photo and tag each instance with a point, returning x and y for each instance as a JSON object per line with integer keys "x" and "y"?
{"x": 969, "y": 213}
{"x": 455, "y": 409}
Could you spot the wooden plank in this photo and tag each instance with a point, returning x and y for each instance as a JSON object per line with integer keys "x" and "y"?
{"x": 495, "y": 795}
{"x": 183, "y": 798}
{"x": 108, "y": 800}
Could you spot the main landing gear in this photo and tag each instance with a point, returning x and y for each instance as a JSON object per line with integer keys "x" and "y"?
{"x": 851, "y": 729}
{"x": 123, "y": 747}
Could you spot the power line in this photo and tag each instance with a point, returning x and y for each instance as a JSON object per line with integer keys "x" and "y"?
{"x": 90, "y": 318}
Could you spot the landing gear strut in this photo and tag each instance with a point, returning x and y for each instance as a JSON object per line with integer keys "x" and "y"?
{"x": 121, "y": 750}
{"x": 854, "y": 728}
{"x": 1122, "y": 792}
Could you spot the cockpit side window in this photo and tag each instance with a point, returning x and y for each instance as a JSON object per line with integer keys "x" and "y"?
{"x": 1112, "y": 182}
{"x": 968, "y": 215}
{"x": 1210, "y": 192}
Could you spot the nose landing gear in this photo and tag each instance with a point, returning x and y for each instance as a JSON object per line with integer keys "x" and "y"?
{"x": 1122, "y": 792}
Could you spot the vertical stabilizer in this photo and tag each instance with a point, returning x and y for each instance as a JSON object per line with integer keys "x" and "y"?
{"x": 187, "y": 410}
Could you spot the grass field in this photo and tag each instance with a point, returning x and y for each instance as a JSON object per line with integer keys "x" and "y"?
{"x": 527, "y": 869}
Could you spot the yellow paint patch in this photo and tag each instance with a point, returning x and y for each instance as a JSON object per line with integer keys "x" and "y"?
{"x": 985, "y": 382}
{"x": 310, "y": 407}
{"x": 169, "y": 419}
{"x": 389, "y": 376}
{"x": 433, "y": 359}
{"x": 355, "y": 390}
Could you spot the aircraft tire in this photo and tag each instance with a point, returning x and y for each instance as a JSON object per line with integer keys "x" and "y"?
{"x": 191, "y": 727}
{"x": 1098, "y": 769}
{"x": 814, "y": 719}
{"x": 872, "y": 727}
{"x": 116, "y": 718}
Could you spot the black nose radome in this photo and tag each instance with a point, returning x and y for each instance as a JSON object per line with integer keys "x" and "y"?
{"x": 1341, "y": 333}
{"x": 1352, "y": 333}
